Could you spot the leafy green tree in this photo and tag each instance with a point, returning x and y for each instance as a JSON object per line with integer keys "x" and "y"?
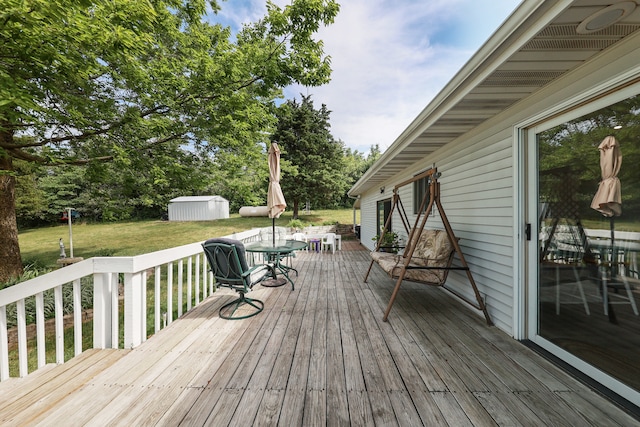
{"x": 315, "y": 169}
{"x": 241, "y": 178}
{"x": 98, "y": 80}
{"x": 137, "y": 188}
{"x": 31, "y": 202}
{"x": 356, "y": 164}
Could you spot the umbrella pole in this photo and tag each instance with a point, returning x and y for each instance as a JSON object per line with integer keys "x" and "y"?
{"x": 273, "y": 231}
{"x": 613, "y": 248}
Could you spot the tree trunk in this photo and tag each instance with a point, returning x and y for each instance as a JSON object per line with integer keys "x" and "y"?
{"x": 295, "y": 208}
{"x": 10, "y": 261}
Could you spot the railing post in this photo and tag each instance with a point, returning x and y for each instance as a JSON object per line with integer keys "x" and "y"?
{"x": 133, "y": 314}
{"x": 103, "y": 286}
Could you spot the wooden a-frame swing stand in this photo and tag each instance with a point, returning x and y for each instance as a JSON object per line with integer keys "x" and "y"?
{"x": 414, "y": 236}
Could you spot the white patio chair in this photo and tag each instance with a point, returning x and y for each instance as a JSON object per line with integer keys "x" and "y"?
{"x": 300, "y": 237}
{"x": 329, "y": 239}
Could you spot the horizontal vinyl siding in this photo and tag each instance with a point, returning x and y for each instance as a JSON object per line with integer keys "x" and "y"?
{"x": 368, "y": 207}
{"x": 477, "y": 195}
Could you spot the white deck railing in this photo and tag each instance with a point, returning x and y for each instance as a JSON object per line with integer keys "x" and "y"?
{"x": 180, "y": 279}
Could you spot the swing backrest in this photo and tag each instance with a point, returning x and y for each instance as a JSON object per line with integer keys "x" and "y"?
{"x": 434, "y": 249}
{"x": 430, "y": 262}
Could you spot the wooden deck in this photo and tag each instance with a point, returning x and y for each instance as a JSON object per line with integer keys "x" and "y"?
{"x": 319, "y": 355}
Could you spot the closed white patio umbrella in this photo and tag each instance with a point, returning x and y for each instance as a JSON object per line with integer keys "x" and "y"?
{"x": 608, "y": 198}
{"x": 275, "y": 199}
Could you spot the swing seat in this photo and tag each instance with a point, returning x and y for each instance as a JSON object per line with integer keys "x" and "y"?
{"x": 430, "y": 263}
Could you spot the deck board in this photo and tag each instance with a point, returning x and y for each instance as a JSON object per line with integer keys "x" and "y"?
{"x": 317, "y": 355}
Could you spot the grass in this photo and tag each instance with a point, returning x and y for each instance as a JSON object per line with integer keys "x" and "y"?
{"x": 40, "y": 245}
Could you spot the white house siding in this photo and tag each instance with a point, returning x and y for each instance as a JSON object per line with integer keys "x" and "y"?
{"x": 368, "y": 219}
{"x": 477, "y": 196}
{"x": 478, "y": 182}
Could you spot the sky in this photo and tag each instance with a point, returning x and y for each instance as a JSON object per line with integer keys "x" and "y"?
{"x": 389, "y": 58}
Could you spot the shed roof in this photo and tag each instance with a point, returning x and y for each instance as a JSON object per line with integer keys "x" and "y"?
{"x": 196, "y": 199}
{"x": 537, "y": 44}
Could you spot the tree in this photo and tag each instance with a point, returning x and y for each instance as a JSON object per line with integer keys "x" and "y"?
{"x": 85, "y": 81}
{"x": 356, "y": 164}
{"x": 241, "y": 179}
{"x": 315, "y": 169}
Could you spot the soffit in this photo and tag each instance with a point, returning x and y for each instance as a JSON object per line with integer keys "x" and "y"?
{"x": 553, "y": 51}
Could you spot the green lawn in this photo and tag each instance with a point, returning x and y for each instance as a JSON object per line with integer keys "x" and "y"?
{"x": 40, "y": 245}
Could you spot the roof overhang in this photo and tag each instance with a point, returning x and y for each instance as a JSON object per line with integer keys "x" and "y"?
{"x": 539, "y": 42}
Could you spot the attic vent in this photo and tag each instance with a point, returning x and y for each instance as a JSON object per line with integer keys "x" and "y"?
{"x": 485, "y": 104}
{"x": 614, "y": 31}
{"x": 520, "y": 78}
{"x": 565, "y": 44}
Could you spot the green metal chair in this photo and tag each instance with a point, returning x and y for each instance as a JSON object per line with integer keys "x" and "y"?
{"x": 227, "y": 262}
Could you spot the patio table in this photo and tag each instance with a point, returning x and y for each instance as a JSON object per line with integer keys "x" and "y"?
{"x": 274, "y": 251}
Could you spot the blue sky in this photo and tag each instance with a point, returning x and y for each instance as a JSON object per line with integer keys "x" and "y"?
{"x": 389, "y": 58}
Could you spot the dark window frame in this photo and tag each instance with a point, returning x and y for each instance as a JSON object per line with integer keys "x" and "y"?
{"x": 420, "y": 190}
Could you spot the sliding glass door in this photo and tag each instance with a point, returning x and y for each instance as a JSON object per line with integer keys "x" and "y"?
{"x": 584, "y": 307}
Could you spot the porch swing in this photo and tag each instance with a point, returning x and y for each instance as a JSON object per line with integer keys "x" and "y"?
{"x": 428, "y": 255}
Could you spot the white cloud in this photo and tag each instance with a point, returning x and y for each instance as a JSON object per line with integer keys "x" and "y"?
{"x": 390, "y": 58}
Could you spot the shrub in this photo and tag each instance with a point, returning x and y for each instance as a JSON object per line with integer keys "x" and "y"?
{"x": 296, "y": 224}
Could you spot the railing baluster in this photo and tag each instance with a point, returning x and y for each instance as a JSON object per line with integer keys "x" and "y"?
{"x": 22, "y": 338}
{"x": 189, "y": 282}
{"x": 114, "y": 280}
{"x": 169, "y": 293}
{"x": 77, "y": 317}
{"x": 40, "y": 331}
{"x": 59, "y": 316}
{"x": 204, "y": 281}
{"x": 197, "y": 284}
{"x": 4, "y": 345}
{"x": 156, "y": 298}
{"x": 180, "y": 286}
{"x": 143, "y": 306}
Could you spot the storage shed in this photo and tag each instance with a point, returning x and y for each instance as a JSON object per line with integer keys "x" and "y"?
{"x": 198, "y": 208}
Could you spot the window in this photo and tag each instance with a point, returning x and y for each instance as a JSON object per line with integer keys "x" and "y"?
{"x": 420, "y": 191}
{"x": 384, "y": 210}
